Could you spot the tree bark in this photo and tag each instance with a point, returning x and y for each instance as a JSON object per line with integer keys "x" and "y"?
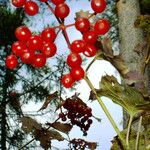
{"x": 3, "y": 121}
{"x": 130, "y": 37}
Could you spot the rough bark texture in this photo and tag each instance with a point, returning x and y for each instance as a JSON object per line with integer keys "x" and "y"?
{"x": 130, "y": 37}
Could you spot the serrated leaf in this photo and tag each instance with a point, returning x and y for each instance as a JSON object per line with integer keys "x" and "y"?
{"x": 107, "y": 47}
{"x": 45, "y": 136}
{"x": 48, "y": 100}
{"x": 63, "y": 127}
{"x": 105, "y": 52}
{"x": 50, "y": 134}
{"x": 83, "y": 14}
{"x": 122, "y": 94}
{"x": 29, "y": 124}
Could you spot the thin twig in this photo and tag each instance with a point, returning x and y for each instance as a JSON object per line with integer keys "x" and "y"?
{"x": 128, "y": 130}
{"x": 88, "y": 67}
{"x": 138, "y": 133}
{"x": 106, "y": 112}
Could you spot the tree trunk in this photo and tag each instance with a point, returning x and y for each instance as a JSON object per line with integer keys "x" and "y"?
{"x": 130, "y": 37}
{"x": 3, "y": 115}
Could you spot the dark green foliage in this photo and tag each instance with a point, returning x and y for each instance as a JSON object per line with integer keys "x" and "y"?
{"x": 145, "y": 6}
{"x": 9, "y": 21}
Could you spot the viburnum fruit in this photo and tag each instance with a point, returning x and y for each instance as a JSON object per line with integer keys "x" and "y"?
{"x": 57, "y": 2}
{"x": 18, "y": 3}
{"x": 18, "y": 47}
{"x": 74, "y": 60}
{"x": 39, "y": 60}
{"x": 35, "y": 42}
{"x": 77, "y": 73}
{"x": 78, "y": 144}
{"x": 82, "y": 24}
{"x": 27, "y": 56}
{"x": 67, "y": 81}
{"x": 102, "y": 26}
{"x": 48, "y": 35}
{"x": 22, "y": 33}
{"x": 43, "y": 0}
{"x": 78, "y": 113}
{"x": 11, "y": 61}
{"x": 31, "y": 8}
{"x": 98, "y": 5}
{"x": 62, "y": 10}
{"x": 49, "y": 49}
{"x": 90, "y": 36}
{"x": 77, "y": 46}
{"x": 90, "y": 50}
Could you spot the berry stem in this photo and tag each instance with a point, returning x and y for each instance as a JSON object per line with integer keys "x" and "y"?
{"x": 91, "y": 64}
{"x": 66, "y": 37}
{"x": 69, "y": 25}
{"x": 106, "y": 112}
{"x": 60, "y": 23}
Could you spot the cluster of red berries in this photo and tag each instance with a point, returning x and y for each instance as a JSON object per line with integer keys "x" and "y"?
{"x": 32, "y": 49}
{"x": 78, "y": 113}
{"x": 78, "y": 144}
{"x": 86, "y": 45}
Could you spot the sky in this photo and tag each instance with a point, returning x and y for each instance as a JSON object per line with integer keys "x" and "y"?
{"x": 102, "y": 132}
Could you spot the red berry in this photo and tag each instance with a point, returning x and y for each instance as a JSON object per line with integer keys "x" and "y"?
{"x": 74, "y": 60}
{"x": 35, "y": 42}
{"x": 39, "y": 60}
{"x": 90, "y": 36}
{"x": 62, "y": 10}
{"x": 48, "y": 35}
{"x": 43, "y": 0}
{"x": 31, "y": 8}
{"x": 22, "y": 33}
{"x": 98, "y": 5}
{"x": 82, "y": 24}
{"x": 77, "y": 46}
{"x": 49, "y": 49}
{"x": 27, "y": 56}
{"x": 77, "y": 73}
{"x": 90, "y": 121}
{"x": 18, "y": 47}
{"x": 11, "y": 62}
{"x": 67, "y": 81}
{"x": 90, "y": 50}
{"x": 18, "y": 3}
{"x": 102, "y": 26}
{"x": 57, "y": 2}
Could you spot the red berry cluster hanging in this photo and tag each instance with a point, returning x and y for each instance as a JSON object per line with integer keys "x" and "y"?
{"x": 85, "y": 46}
{"x": 78, "y": 113}
{"x": 32, "y": 49}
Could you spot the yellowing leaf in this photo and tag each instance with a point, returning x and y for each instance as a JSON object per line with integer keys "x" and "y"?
{"x": 84, "y": 14}
{"x": 63, "y": 127}
{"x": 49, "y": 99}
{"x": 29, "y": 124}
{"x": 122, "y": 94}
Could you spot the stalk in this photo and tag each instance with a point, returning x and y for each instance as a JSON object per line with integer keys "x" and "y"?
{"x": 106, "y": 112}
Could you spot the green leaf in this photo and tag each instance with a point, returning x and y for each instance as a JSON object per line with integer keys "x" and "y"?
{"x": 127, "y": 97}
{"x": 116, "y": 143}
